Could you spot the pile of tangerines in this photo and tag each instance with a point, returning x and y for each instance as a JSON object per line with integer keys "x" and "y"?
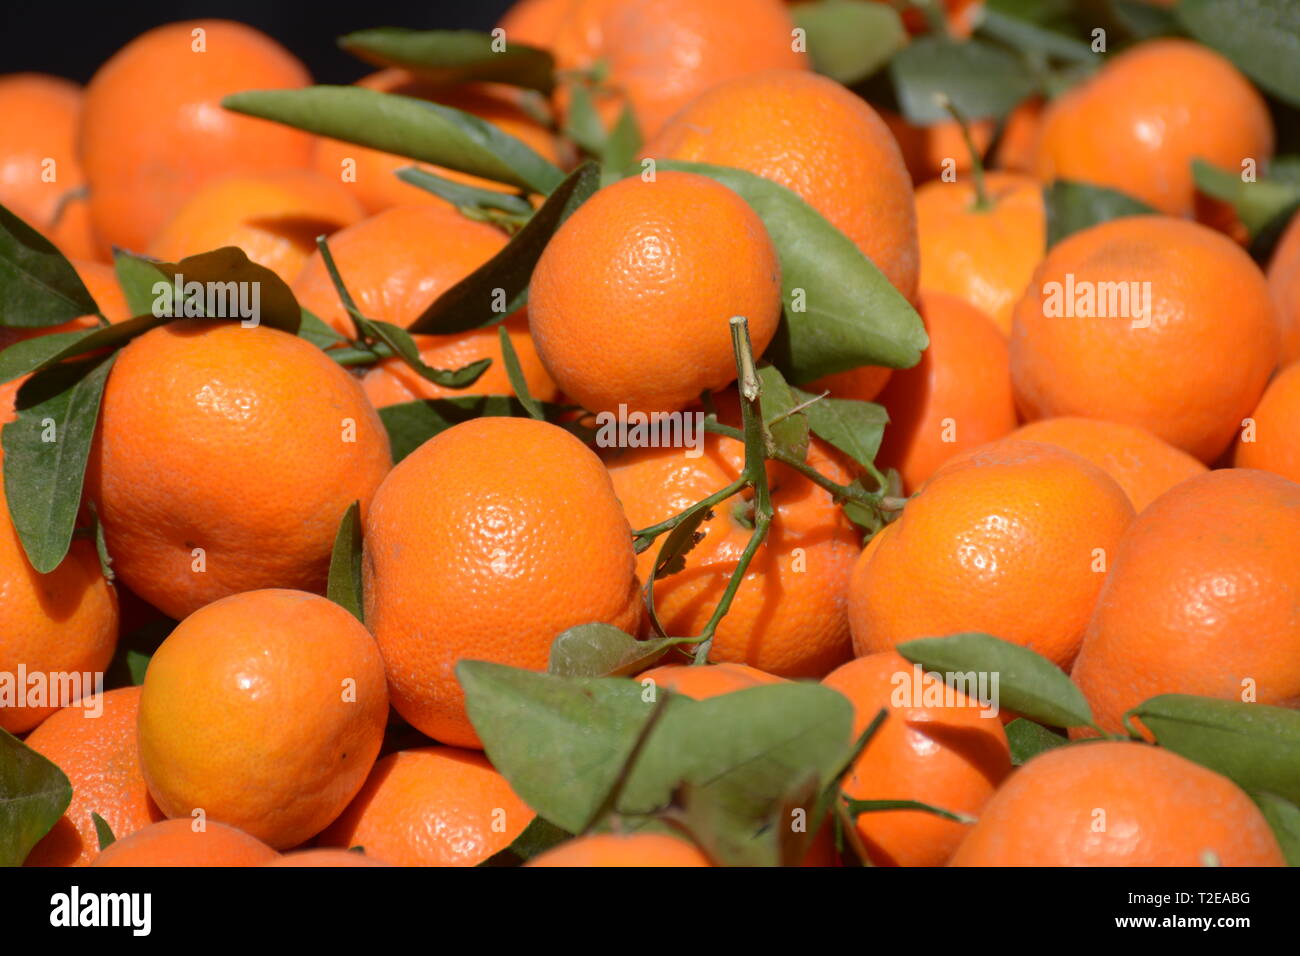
{"x": 985, "y": 549}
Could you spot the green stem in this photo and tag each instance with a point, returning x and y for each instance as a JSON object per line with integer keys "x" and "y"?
{"x": 645, "y": 537}
{"x": 359, "y": 322}
{"x": 982, "y": 203}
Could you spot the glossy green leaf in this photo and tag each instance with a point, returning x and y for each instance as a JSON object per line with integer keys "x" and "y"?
{"x": 515, "y": 373}
{"x": 1072, "y": 207}
{"x": 789, "y": 428}
{"x": 1261, "y": 37}
{"x": 406, "y": 126}
{"x": 849, "y": 40}
{"x": 853, "y": 427}
{"x": 602, "y": 650}
{"x": 454, "y": 56}
{"x": 229, "y": 286}
{"x": 103, "y": 832}
{"x": 1284, "y": 818}
{"x": 1255, "y": 745}
{"x": 1027, "y": 683}
{"x": 411, "y": 424}
{"x": 463, "y": 196}
{"x": 539, "y": 836}
{"x": 1028, "y": 740}
{"x": 34, "y": 793}
{"x": 45, "y": 452}
{"x": 38, "y": 285}
{"x": 980, "y": 79}
{"x": 344, "y": 585}
{"x": 840, "y": 310}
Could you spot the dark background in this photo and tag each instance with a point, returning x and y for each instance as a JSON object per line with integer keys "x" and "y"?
{"x": 72, "y": 40}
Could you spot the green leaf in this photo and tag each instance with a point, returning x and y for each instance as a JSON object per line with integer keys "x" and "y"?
{"x": 853, "y": 427}
{"x": 515, "y": 374}
{"x": 232, "y": 285}
{"x": 473, "y": 302}
{"x": 103, "y": 832}
{"x": 344, "y": 587}
{"x": 602, "y": 650}
{"x": 1029, "y": 739}
{"x": 679, "y": 542}
{"x": 790, "y": 432}
{"x": 1258, "y": 204}
{"x": 560, "y": 742}
{"x": 980, "y": 79}
{"x": 45, "y": 452}
{"x": 34, "y": 793}
{"x": 624, "y": 142}
{"x": 1284, "y": 817}
{"x": 539, "y": 836}
{"x": 849, "y": 40}
{"x": 38, "y": 286}
{"x": 449, "y": 57}
{"x": 1023, "y": 28}
{"x": 462, "y": 196}
{"x": 401, "y": 344}
{"x": 410, "y": 127}
{"x": 411, "y": 424}
{"x": 582, "y": 124}
{"x": 1255, "y": 745}
{"x": 1072, "y": 207}
{"x": 841, "y": 312}
{"x": 1027, "y": 683}
{"x": 1262, "y": 37}
{"x": 319, "y": 333}
{"x": 45, "y": 351}
{"x": 137, "y": 277}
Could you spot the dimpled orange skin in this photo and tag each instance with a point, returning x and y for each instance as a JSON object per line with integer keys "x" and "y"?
{"x": 330, "y": 858}
{"x": 816, "y": 138}
{"x": 1137, "y": 124}
{"x": 1284, "y": 281}
{"x": 1276, "y": 445}
{"x": 660, "y": 54}
{"x": 371, "y": 175}
{"x": 952, "y": 757}
{"x": 1190, "y": 376}
{"x": 1002, "y": 539}
{"x": 984, "y": 256}
{"x": 61, "y": 622}
{"x": 41, "y": 114}
{"x": 175, "y": 843}
{"x": 1201, "y": 597}
{"x": 956, "y": 398}
{"x": 274, "y": 217}
{"x": 631, "y": 300}
{"x": 432, "y": 806}
{"x": 523, "y": 540}
{"x": 1118, "y": 803}
{"x": 701, "y": 683}
{"x": 248, "y": 443}
{"x": 622, "y": 849}
{"x": 100, "y": 756}
{"x": 1143, "y": 465}
{"x": 395, "y": 264}
{"x": 153, "y": 129}
{"x": 266, "y": 710}
{"x": 789, "y": 616}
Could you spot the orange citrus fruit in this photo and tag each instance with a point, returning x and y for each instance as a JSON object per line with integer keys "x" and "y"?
{"x": 1012, "y": 539}
{"x": 153, "y": 129}
{"x": 274, "y": 217}
{"x": 622, "y": 849}
{"x": 1284, "y": 281}
{"x": 225, "y": 459}
{"x": 266, "y": 710}
{"x": 956, "y": 398}
{"x": 177, "y": 843}
{"x": 705, "y": 681}
{"x": 1143, "y": 465}
{"x": 1137, "y": 124}
{"x": 325, "y": 857}
{"x": 432, "y": 806}
{"x": 630, "y": 302}
{"x": 94, "y": 744}
{"x": 983, "y": 255}
{"x": 935, "y": 149}
{"x": 1146, "y": 321}
{"x": 469, "y": 573}
{"x": 1118, "y": 804}
{"x": 951, "y": 755}
{"x": 1275, "y": 444}
{"x": 813, "y": 136}
{"x": 1200, "y": 599}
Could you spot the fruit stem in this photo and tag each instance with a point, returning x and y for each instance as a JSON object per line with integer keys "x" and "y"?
{"x": 359, "y": 322}
{"x": 981, "y": 202}
{"x": 645, "y": 536}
